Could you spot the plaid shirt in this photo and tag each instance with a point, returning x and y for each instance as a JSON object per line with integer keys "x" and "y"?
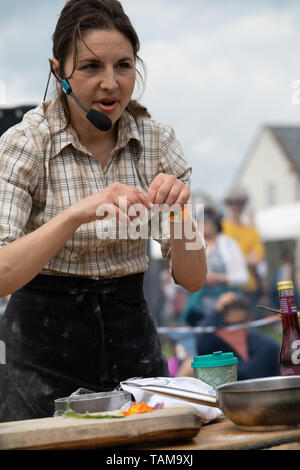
{"x": 44, "y": 169}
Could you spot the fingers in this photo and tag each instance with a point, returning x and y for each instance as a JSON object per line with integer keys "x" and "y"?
{"x": 153, "y": 195}
{"x": 129, "y": 195}
{"x": 166, "y": 189}
{"x": 127, "y": 201}
{"x": 110, "y": 211}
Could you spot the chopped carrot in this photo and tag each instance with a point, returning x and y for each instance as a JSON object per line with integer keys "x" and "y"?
{"x": 137, "y": 408}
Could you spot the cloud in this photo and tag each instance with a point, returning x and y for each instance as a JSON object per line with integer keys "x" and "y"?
{"x": 217, "y": 71}
{"x": 25, "y": 45}
{"x": 221, "y": 84}
{"x": 205, "y": 147}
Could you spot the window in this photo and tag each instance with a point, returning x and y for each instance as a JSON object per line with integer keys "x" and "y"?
{"x": 270, "y": 194}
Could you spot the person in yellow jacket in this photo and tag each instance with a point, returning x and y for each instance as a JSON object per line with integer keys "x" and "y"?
{"x": 247, "y": 237}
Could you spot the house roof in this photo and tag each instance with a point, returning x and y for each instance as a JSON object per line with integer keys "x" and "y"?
{"x": 288, "y": 137}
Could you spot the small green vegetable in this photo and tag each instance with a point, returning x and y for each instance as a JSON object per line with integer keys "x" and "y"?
{"x": 69, "y": 413}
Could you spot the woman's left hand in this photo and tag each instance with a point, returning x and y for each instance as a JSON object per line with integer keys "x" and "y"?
{"x": 167, "y": 189}
{"x": 187, "y": 254}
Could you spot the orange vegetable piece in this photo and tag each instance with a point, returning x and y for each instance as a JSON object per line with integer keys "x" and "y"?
{"x": 137, "y": 408}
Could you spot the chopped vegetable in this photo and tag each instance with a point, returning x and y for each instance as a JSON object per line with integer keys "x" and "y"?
{"x": 138, "y": 408}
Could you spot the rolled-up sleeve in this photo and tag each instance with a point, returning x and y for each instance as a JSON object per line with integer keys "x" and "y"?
{"x": 18, "y": 181}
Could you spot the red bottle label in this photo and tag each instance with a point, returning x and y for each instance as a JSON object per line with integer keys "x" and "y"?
{"x": 290, "y": 350}
{"x": 288, "y": 305}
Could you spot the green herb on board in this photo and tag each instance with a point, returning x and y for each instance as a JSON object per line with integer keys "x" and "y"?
{"x": 69, "y": 413}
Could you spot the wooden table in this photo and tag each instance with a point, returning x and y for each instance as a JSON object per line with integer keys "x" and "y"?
{"x": 170, "y": 429}
{"x": 223, "y": 435}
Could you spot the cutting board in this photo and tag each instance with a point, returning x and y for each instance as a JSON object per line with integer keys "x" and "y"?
{"x": 171, "y": 423}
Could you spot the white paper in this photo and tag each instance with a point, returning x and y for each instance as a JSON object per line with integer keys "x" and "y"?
{"x": 208, "y": 413}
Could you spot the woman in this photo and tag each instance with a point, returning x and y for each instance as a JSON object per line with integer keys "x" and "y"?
{"x": 226, "y": 271}
{"x": 77, "y": 316}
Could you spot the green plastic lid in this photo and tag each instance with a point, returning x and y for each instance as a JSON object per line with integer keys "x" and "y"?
{"x": 215, "y": 359}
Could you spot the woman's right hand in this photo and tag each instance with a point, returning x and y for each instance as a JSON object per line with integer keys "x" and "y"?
{"x": 113, "y": 201}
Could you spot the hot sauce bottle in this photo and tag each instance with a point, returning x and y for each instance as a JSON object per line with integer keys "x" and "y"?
{"x": 289, "y": 357}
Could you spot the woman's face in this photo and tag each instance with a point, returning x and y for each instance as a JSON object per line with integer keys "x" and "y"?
{"x": 105, "y": 76}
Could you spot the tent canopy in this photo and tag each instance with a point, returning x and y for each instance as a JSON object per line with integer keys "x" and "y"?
{"x": 279, "y": 222}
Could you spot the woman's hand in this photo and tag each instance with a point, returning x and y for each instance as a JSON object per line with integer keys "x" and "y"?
{"x": 167, "y": 189}
{"x": 187, "y": 255}
{"x": 115, "y": 200}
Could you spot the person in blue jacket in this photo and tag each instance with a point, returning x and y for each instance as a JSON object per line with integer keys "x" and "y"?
{"x": 258, "y": 354}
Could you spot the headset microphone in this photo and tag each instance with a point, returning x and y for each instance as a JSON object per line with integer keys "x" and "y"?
{"x": 98, "y": 119}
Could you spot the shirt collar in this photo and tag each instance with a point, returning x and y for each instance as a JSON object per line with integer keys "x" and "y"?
{"x": 65, "y": 134}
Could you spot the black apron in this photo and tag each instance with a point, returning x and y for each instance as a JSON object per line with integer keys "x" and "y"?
{"x": 64, "y": 333}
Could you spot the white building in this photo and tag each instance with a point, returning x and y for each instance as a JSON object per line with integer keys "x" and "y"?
{"x": 271, "y": 170}
{"x": 270, "y": 174}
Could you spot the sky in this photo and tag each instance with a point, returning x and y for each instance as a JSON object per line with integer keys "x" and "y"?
{"x": 217, "y": 71}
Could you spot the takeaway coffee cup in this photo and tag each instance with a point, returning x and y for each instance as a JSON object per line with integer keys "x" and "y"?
{"x": 216, "y": 369}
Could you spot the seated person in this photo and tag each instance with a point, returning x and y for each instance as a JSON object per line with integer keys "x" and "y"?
{"x": 258, "y": 355}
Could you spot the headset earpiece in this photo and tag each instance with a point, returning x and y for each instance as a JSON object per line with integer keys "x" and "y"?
{"x": 64, "y": 82}
{"x": 66, "y": 86}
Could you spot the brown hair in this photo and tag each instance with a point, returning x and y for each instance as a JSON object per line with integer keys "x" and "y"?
{"x": 80, "y": 16}
{"x": 212, "y": 215}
